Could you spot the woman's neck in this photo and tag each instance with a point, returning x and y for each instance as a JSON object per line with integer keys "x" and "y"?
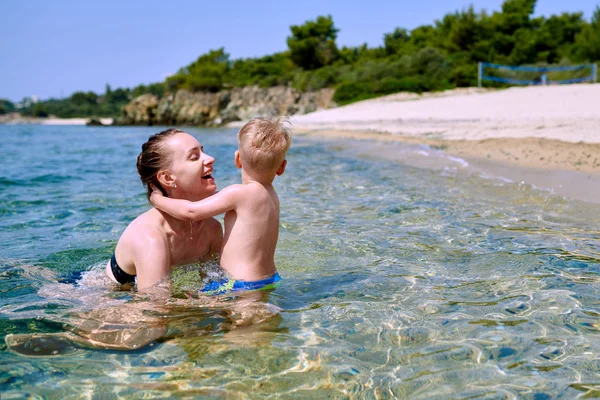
{"x": 179, "y": 226}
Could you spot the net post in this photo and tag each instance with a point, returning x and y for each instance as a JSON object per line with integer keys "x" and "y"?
{"x": 479, "y": 73}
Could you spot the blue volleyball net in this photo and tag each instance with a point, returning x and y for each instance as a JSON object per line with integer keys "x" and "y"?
{"x": 547, "y": 75}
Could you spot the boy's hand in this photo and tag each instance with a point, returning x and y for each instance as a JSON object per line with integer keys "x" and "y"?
{"x": 155, "y": 189}
{"x": 155, "y": 193}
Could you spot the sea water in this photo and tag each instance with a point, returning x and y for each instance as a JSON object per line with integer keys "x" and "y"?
{"x": 413, "y": 276}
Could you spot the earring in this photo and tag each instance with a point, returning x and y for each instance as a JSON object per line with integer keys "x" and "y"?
{"x": 174, "y": 185}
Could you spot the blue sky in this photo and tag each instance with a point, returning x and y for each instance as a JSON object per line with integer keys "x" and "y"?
{"x": 52, "y": 48}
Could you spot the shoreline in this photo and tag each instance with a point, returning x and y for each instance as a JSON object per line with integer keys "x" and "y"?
{"x": 567, "y": 169}
{"x": 18, "y": 119}
{"x": 529, "y": 152}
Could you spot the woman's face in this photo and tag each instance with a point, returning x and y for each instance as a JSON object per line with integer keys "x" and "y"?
{"x": 191, "y": 169}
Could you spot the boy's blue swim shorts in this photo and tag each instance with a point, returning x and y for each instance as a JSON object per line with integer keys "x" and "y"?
{"x": 230, "y": 285}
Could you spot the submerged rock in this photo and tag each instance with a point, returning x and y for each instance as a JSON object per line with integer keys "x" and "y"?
{"x": 94, "y": 122}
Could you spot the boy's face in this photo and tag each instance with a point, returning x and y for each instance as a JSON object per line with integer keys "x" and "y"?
{"x": 191, "y": 169}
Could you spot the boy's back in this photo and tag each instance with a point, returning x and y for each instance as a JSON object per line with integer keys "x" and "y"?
{"x": 251, "y": 232}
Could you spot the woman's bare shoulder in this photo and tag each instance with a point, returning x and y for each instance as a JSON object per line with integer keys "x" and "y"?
{"x": 145, "y": 229}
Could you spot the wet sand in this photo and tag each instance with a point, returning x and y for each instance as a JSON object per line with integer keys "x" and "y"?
{"x": 567, "y": 169}
{"x": 540, "y": 153}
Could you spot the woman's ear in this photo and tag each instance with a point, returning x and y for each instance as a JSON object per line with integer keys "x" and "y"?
{"x": 281, "y": 169}
{"x": 166, "y": 179}
{"x": 238, "y": 159}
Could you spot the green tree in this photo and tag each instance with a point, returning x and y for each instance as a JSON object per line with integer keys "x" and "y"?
{"x": 270, "y": 70}
{"x": 501, "y": 29}
{"x": 6, "y": 106}
{"x": 40, "y": 110}
{"x": 587, "y": 42}
{"x": 556, "y": 36}
{"x": 423, "y": 36}
{"x": 207, "y": 73}
{"x": 312, "y": 45}
{"x": 84, "y": 98}
{"x": 157, "y": 89}
{"x": 396, "y": 41}
{"x": 462, "y": 31}
{"x": 517, "y": 14}
{"x": 117, "y": 96}
{"x": 351, "y": 55}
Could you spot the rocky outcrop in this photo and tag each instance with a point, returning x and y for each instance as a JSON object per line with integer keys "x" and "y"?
{"x": 215, "y": 109}
{"x": 16, "y": 118}
{"x": 140, "y": 111}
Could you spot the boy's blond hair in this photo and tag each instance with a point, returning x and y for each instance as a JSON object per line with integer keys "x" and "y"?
{"x": 263, "y": 144}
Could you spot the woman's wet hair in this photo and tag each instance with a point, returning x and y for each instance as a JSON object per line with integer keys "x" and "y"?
{"x": 154, "y": 157}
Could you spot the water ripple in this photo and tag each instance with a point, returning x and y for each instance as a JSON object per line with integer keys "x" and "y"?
{"x": 400, "y": 280}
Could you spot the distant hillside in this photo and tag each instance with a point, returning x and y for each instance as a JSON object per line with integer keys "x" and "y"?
{"x": 439, "y": 56}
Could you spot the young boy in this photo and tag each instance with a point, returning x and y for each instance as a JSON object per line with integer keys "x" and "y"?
{"x": 251, "y": 208}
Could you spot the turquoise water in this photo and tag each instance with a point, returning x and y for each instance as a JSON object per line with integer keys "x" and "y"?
{"x": 420, "y": 280}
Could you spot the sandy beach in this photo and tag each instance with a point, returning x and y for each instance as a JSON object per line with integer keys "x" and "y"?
{"x": 73, "y": 121}
{"x": 18, "y": 119}
{"x": 528, "y": 133}
{"x": 545, "y": 126}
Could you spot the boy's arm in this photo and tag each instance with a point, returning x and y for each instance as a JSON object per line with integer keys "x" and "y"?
{"x": 223, "y": 201}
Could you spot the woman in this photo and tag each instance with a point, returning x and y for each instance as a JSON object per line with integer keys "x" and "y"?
{"x": 174, "y": 162}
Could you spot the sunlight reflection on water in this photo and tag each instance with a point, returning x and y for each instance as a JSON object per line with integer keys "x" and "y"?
{"x": 416, "y": 278}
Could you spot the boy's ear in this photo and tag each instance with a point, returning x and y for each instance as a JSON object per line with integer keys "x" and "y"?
{"x": 165, "y": 179}
{"x": 238, "y": 159}
{"x": 281, "y": 169}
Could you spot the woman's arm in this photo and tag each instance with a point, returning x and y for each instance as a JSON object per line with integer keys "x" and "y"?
{"x": 152, "y": 260}
{"x": 227, "y": 199}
